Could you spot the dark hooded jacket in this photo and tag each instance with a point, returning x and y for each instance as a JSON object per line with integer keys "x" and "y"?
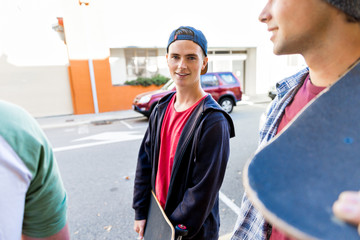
{"x": 198, "y": 170}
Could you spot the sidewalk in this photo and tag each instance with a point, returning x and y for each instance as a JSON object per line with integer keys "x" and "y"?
{"x": 75, "y": 120}
{"x": 254, "y": 99}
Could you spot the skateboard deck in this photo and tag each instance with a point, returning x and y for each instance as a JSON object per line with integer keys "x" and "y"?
{"x": 158, "y": 226}
{"x": 296, "y": 178}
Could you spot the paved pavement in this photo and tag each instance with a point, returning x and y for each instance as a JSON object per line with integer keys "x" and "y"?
{"x": 74, "y": 120}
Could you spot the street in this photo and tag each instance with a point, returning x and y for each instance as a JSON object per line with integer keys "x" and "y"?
{"x": 97, "y": 164}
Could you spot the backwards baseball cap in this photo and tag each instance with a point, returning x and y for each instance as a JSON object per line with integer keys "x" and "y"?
{"x": 192, "y": 34}
{"x": 350, "y": 7}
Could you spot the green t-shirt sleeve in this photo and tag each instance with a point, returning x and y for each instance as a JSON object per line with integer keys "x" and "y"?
{"x": 45, "y": 203}
{"x": 46, "y": 200}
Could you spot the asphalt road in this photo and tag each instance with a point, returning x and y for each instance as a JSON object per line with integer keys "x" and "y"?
{"x": 97, "y": 164}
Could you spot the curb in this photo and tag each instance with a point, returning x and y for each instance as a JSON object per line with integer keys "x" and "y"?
{"x": 73, "y": 123}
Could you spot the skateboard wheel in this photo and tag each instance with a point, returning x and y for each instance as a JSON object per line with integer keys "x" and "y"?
{"x": 181, "y": 230}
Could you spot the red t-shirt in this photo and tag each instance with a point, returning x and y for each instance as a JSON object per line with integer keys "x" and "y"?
{"x": 305, "y": 94}
{"x": 172, "y": 126}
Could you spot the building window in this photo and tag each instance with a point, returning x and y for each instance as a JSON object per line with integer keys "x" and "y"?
{"x": 141, "y": 62}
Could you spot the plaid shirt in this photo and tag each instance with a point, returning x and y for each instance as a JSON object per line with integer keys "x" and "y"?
{"x": 251, "y": 224}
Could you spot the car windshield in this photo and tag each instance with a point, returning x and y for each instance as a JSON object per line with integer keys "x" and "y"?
{"x": 169, "y": 85}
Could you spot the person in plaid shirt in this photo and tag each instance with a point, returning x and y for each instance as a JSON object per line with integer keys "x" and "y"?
{"x": 327, "y": 34}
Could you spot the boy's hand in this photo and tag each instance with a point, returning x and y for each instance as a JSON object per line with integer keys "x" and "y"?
{"x": 139, "y": 227}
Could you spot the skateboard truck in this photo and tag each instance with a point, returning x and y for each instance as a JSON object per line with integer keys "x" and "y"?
{"x": 180, "y": 231}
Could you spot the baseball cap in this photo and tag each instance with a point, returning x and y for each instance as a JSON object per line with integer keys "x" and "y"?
{"x": 192, "y": 34}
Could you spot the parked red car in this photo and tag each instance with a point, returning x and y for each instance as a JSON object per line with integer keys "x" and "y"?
{"x": 224, "y": 87}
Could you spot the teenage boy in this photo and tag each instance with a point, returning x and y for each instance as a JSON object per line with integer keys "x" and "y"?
{"x": 327, "y": 34}
{"x": 185, "y": 149}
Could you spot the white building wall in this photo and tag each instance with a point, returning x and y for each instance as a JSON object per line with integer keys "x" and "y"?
{"x": 33, "y": 59}
{"x": 41, "y": 90}
{"x": 251, "y": 79}
{"x": 162, "y": 63}
{"x": 272, "y": 68}
{"x": 117, "y": 66}
{"x": 84, "y": 30}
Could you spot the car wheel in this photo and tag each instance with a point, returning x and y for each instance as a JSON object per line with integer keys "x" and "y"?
{"x": 227, "y": 104}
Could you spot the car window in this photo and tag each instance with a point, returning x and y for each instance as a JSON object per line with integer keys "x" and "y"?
{"x": 228, "y": 78}
{"x": 209, "y": 80}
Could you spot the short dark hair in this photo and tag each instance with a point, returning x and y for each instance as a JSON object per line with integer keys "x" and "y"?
{"x": 352, "y": 14}
{"x": 184, "y": 31}
{"x": 352, "y": 19}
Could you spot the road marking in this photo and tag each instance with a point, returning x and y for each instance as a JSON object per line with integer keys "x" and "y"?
{"x": 226, "y": 236}
{"x": 83, "y": 129}
{"x": 126, "y": 124}
{"x": 246, "y": 103}
{"x": 61, "y": 149}
{"x": 229, "y": 203}
{"x": 103, "y": 139}
{"x": 110, "y": 136}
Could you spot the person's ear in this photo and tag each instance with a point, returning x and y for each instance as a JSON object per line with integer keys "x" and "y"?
{"x": 205, "y": 62}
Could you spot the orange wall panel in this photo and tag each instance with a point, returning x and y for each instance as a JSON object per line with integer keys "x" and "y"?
{"x": 110, "y": 98}
{"x": 81, "y": 87}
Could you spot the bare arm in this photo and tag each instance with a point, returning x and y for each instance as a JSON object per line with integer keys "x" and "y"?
{"x": 63, "y": 234}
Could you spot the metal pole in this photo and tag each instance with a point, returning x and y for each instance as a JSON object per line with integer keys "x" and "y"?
{"x": 93, "y": 85}
{"x": 91, "y": 66}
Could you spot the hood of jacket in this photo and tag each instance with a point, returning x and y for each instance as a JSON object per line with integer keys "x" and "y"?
{"x": 207, "y": 105}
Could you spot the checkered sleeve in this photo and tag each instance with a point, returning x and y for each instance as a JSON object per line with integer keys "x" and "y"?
{"x": 250, "y": 223}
